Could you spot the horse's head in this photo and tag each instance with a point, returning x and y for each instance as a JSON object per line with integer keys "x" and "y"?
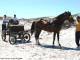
{"x": 71, "y": 20}
{"x": 67, "y": 16}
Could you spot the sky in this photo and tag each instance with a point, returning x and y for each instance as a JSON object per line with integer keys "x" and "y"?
{"x": 38, "y": 8}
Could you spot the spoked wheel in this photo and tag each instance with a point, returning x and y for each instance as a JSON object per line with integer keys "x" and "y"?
{"x": 12, "y": 40}
{"x": 27, "y": 37}
{"x": 3, "y": 35}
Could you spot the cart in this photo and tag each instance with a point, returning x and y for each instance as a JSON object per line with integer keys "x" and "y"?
{"x": 15, "y": 32}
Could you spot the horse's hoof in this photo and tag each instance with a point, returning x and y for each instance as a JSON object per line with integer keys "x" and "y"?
{"x": 53, "y": 45}
{"x": 5, "y": 41}
{"x": 60, "y": 47}
{"x": 38, "y": 44}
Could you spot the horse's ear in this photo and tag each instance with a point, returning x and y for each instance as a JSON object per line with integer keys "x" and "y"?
{"x": 68, "y": 11}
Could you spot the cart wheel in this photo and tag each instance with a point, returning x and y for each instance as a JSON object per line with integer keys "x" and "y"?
{"x": 3, "y": 35}
{"x": 27, "y": 37}
{"x": 12, "y": 40}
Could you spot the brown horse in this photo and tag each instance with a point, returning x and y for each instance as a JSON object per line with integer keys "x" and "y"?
{"x": 55, "y": 26}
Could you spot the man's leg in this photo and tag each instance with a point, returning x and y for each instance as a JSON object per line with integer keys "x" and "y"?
{"x": 77, "y": 39}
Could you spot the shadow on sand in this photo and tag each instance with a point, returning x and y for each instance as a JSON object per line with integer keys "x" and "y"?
{"x": 21, "y": 42}
{"x": 57, "y": 47}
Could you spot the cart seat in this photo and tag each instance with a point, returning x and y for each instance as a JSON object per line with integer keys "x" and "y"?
{"x": 16, "y": 28}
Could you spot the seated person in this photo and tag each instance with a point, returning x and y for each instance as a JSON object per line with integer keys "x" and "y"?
{"x": 14, "y": 20}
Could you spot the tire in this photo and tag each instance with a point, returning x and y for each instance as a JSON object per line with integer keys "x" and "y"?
{"x": 3, "y": 35}
{"x": 27, "y": 37}
{"x": 12, "y": 40}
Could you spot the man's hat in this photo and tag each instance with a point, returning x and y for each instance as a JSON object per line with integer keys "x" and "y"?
{"x": 4, "y": 15}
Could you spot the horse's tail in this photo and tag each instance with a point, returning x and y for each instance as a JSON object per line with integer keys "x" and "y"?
{"x": 32, "y": 28}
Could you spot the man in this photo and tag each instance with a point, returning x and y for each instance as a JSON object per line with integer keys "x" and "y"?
{"x": 4, "y": 19}
{"x": 15, "y": 20}
{"x": 4, "y": 22}
{"x": 77, "y": 33}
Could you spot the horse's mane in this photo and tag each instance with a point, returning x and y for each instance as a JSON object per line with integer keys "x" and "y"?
{"x": 61, "y": 15}
{"x": 58, "y": 18}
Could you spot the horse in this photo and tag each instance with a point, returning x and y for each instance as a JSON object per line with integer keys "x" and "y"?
{"x": 55, "y": 26}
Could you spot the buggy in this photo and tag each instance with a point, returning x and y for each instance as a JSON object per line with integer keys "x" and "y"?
{"x": 15, "y": 32}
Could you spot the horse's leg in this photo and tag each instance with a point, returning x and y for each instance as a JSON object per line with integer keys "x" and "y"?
{"x": 58, "y": 39}
{"x": 37, "y": 37}
{"x": 54, "y": 35}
